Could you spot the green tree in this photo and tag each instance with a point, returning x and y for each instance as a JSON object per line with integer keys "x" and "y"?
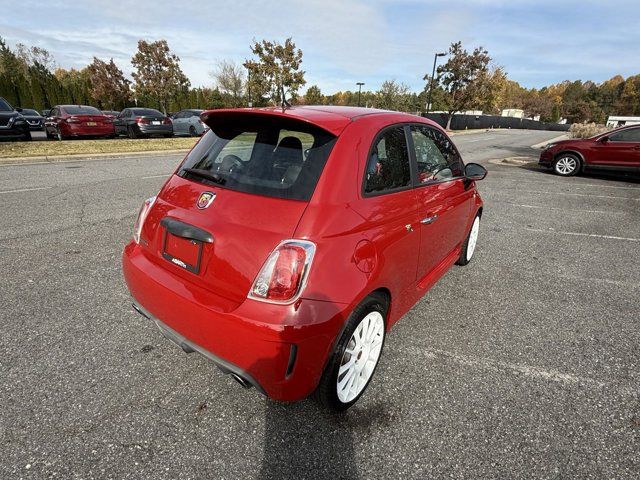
{"x": 313, "y": 96}
{"x": 393, "y": 96}
{"x": 276, "y": 68}
{"x": 158, "y": 75}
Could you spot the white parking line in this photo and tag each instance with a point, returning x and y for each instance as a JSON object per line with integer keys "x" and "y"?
{"x": 25, "y": 190}
{"x": 526, "y": 371}
{"x": 155, "y": 176}
{"x": 577, "y": 194}
{"x": 579, "y": 234}
{"x": 572, "y": 185}
{"x": 542, "y": 207}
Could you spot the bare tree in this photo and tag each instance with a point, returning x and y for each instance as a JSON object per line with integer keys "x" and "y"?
{"x": 229, "y": 78}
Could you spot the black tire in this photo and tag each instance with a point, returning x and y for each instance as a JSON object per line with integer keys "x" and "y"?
{"x": 192, "y": 131}
{"x": 49, "y": 136}
{"x": 464, "y": 258}
{"x": 326, "y": 393}
{"x": 27, "y": 137}
{"x": 131, "y": 132}
{"x": 567, "y": 165}
{"x": 169, "y": 135}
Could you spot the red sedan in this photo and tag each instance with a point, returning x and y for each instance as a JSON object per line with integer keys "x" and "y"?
{"x": 74, "y": 121}
{"x": 288, "y": 243}
{"x": 617, "y": 150}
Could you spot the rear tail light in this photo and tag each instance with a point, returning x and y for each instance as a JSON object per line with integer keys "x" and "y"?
{"x": 284, "y": 275}
{"x": 142, "y": 215}
{"x": 167, "y": 121}
{"x": 142, "y": 121}
{"x": 72, "y": 120}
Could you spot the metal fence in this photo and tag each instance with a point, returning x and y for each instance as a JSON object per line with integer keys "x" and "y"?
{"x": 464, "y": 122}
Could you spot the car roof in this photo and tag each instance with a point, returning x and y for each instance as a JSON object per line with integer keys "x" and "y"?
{"x": 331, "y": 118}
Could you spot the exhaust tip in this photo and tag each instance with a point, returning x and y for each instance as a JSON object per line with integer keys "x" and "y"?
{"x": 241, "y": 381}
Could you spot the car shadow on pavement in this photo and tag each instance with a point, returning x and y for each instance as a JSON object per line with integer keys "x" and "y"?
{"x": 597, "y": 175}
{"x": 303, "y": 440}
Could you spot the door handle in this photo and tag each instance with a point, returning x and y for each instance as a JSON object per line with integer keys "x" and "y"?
{"x": 428, "y": 220}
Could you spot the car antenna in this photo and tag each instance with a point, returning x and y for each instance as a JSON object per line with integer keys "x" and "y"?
{"x": 284, "y": 104}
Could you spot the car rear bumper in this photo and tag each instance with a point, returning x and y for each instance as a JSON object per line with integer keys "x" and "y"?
{"x": 71, "y": 130}
{"x": 279, "y": 349}
{"x": 156, "y": 129}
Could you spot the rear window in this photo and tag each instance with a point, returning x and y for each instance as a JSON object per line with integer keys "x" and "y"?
{"x": 268, "y": 156}
{"x": 81, "y": 110}
{"x": 141, "y": 112}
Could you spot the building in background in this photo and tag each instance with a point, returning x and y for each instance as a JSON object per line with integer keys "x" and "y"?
{"x": 614, "y": 121}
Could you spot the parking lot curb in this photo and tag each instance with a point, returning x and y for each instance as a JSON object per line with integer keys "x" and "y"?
{"x": 83, "y": 157}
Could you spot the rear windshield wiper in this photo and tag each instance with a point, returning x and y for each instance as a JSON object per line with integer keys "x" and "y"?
{"x": 197, "y": 172}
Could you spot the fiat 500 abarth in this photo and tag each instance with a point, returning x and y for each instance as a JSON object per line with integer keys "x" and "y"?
{"x": 289, "y": 242}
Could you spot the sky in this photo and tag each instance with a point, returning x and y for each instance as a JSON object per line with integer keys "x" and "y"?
{"x": 343, "y": 41}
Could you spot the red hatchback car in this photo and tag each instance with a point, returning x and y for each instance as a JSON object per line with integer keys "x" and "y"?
{"x": 73, "y": 121}
{"x": 288, "y": 243}
{"x": 615, "y": 150}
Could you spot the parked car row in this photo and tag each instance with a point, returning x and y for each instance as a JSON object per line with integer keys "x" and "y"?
{"x": 83, "y": 121}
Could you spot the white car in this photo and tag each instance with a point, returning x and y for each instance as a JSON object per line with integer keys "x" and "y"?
{"x": 187, "y": 122}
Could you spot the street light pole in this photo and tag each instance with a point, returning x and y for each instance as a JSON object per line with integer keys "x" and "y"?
{"x": 433, "y": 74}
{"x": 360, "y": 84}
{"x": 249, "y": 87}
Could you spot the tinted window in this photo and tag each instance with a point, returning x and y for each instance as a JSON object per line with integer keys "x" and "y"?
{"x": 81, "y": 110}
{"x": 253, "y": 155}
{"x": 436, "y": 156}
{"x": 388, "y": 166}
{"x": 141, "y": 112}
{"x": 630, "y": 135}
{"x": 4, "y": 106}
{"x": 30, "y": 113}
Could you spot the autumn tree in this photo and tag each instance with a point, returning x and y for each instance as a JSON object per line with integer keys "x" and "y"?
{"x": 108, "y": 85}
{"x": 467, "y": 79}
{"x": 158, "y": 75}
{"x": 313, "y": 96}
{"x": 276, "y": 68}
{"x": 229, "y": 79}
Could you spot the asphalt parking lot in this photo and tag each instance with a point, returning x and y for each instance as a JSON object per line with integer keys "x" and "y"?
{"x": 524, "y": 364}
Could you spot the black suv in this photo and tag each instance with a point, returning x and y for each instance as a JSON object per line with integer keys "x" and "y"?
{"x": 12, "y": 123}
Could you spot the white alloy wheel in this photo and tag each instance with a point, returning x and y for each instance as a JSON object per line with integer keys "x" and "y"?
{"x": 360, "y": 357}
{"x": 566, "y": 165}
{"x": 473, "y": 238}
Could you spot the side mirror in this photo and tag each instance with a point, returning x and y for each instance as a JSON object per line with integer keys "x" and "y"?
{"x": 604, "y": 139}
{"x": 19, "y": 110}
{"x": 474, "y": 171}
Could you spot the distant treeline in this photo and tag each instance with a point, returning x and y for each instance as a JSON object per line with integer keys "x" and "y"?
{"x": 29, "y": 78}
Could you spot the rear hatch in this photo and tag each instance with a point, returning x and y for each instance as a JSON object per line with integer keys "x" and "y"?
{"x": 237, "y": 195}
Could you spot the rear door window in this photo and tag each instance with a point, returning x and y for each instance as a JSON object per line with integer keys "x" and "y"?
{"x": 263, "y": 155}
{"x": 388, "y": 167}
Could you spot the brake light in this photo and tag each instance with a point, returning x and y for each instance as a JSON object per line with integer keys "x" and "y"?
{"x": 72, "y": 120}
{"x": 142, "y": 215}
{"x": 283, "y": 276}
{"x": 142, "y": 121}
{"x": 167, "y": 121}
